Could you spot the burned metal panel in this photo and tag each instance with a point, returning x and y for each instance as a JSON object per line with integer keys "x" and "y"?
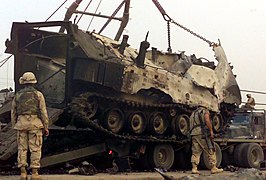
{"x": 50, "y": 76}
{"x": 44, "y": 53}
{"x": 107, "y": 74}
{"x": 113, "y": 76}
{"x": 87, "y": 70}
{"x": 19, "y": 27}
{"x": 93, "y": 46}
{"x": 201, "y": 76}
{"x": 102, "y": 65}
{"x": 175, "y": 63}
{"x": 181, "y": 89}
{"x": 42, "y": 42}
{"x": 226, "y": 86}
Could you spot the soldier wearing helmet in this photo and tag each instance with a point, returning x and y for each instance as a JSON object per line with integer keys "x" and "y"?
{"x": 202, "y": 141}
{"x": 250, "y": 104}
{"x": 29, "y": 117}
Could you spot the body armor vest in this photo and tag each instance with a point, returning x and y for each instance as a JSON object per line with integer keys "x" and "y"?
{"x": 197, "y": 121}
{"x": 27, "y": 102}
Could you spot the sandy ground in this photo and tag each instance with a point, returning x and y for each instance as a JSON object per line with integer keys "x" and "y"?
{"x": 121, "y": 176}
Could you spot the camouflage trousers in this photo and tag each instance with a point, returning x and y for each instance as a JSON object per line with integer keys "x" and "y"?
{"x": 199, "y": 145}
{"x": 31, "y": 140}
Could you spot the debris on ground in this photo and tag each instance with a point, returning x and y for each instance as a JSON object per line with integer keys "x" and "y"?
{"x": 114, "y": 169}
{"x": 84, "y": 169}
{"x": 243, "y": 174}
{"x": 231, "y": 168}
{"x": 162, "y": 173}
{"x": 248, "y": 174}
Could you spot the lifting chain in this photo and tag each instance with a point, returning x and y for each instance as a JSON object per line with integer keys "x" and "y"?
{"x": 169, "y": 37}
{"x": 170, "y": 20}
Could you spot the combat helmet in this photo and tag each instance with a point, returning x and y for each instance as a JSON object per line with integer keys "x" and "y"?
{"x": 28, "y": 78}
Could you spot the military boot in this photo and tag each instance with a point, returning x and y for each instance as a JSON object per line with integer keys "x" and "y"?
{"x": 195, "y": 169}
{"x": 23, "y": 173}
{"x": 35, "y": 175}
{"x": 214, "y": 170}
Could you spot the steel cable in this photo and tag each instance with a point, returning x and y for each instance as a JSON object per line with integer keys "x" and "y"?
{"x": 84, "y": 11}
{"x": 56, "y": 10}
{"x": 5, "y": 60}
{"x": 94, "y": 13}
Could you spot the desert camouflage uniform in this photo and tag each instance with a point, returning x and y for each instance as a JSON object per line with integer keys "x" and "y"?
{"x": 29, "y": 117}
{"x": 199, "y": 144}
{"x": 250, "y": 103}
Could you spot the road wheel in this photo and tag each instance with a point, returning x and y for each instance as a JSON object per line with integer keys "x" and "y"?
{"x": 137, "y": 122}
{"x": 158, "y": 123}
{"x": 114, "y": 120}
{"x": 180, "y": 124}
{"x": 172, "y": 112}
{"x": 216, "y": 123}
{"x": 238, "y": 153}
{"x": 204, "y": 162}
{"x": 252, "y": 155}
{"x": 162, "y": 156}
{"x": 91, "y": 107}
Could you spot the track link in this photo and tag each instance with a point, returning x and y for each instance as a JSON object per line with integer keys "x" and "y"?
{"x": 78, "y": 110}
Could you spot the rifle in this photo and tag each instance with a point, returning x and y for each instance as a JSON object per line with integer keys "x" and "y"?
{"x": 206, "y": 133}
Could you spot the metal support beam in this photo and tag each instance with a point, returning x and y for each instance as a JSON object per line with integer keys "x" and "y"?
{"x": 98, "y": 15}
{"x": 72, "y": 155}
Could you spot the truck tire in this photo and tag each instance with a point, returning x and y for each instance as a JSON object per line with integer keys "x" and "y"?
{"x": 252, "y": 155}
{"x": 162, "y": 156}
{"x": 238, "y": 153}
{"x": 204, "y": 162}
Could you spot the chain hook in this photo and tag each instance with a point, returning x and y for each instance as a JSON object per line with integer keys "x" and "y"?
{"x": 167, "y": 18}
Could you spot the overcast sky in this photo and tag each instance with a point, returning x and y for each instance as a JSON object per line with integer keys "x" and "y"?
{"x": 239, "y": 24}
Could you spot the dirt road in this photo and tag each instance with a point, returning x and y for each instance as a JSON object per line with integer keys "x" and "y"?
{"x": 205, "y": 175}
{"x": 125, "y": 176}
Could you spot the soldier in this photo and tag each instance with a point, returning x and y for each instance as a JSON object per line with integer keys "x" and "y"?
{"x": 200, "y": 122}
{"x": 250, "y": 104}
{"x": 29, "y": 118}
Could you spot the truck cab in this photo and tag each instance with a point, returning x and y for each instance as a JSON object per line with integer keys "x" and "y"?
{"x": 247, "y": 124}
{"x": 244, "y": 144}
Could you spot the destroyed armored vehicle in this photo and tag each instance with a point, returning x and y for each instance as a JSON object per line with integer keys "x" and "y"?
{"x": 133, "y": 100}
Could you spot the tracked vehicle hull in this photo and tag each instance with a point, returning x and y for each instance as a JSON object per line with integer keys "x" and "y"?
{"x": 130, "y": 99}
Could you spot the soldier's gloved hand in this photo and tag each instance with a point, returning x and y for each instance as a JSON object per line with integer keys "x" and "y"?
{"x": 46, "y": 132}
